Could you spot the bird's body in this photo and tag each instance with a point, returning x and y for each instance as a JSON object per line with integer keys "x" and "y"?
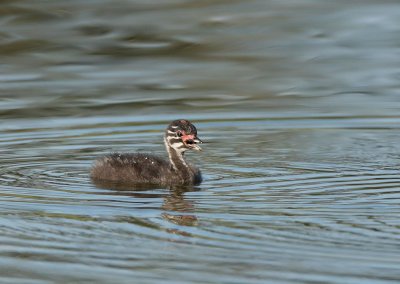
{"x": 147, "y": 169}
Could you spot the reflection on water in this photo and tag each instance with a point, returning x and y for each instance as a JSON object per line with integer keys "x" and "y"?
{"x": 297, "y": 99}
{"x": 173, "y": 202}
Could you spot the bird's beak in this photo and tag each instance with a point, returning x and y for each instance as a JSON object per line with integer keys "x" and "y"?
{"x": 191, "y": 141}
{"x": 197, "y": 141}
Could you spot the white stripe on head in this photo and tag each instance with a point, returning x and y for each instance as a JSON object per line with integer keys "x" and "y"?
{"x": 178, "y": 145}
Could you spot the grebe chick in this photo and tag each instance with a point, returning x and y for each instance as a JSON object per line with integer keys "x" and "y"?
{"x": 147, "y": 169}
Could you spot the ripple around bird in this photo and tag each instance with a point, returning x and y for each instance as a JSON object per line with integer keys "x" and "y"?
{"x": 261, "y": 210}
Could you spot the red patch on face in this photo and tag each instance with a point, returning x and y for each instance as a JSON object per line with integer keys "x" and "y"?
{"x": 186, "y": 137}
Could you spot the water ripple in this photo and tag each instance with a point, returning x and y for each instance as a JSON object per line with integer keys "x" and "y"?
{"x": 298, "y": 103}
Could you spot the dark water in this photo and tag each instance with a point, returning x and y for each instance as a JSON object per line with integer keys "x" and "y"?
{"x": 299, "y": 101}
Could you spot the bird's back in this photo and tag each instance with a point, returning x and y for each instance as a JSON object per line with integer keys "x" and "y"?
{"x": 131, "y": 168}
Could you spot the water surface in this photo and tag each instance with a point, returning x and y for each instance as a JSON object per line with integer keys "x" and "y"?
{"x": 298, "y": 101}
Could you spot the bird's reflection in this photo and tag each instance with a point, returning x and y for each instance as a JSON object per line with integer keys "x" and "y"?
{"x": 175, "y": 202}
{"x": 175, "y": 206}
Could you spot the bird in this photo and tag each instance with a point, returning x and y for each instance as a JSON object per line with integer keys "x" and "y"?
{"x": 147, "y": 169}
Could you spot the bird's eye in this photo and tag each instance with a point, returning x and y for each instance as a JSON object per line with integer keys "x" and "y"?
{"x": 179, "y": 134}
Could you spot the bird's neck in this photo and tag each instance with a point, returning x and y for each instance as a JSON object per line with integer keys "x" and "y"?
{"x": 177, "y": 160}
